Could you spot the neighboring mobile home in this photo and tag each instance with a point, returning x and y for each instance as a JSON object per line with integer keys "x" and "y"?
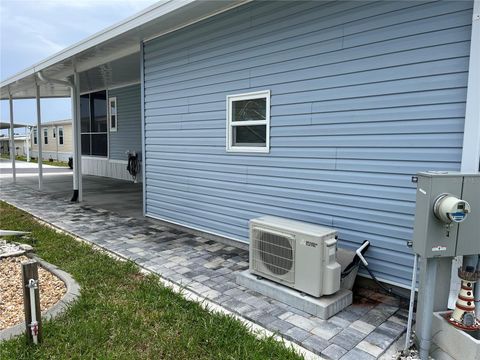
{"x": 56, "y": 138}
{"x": 317, "y": 111}
{"x": 20, "y": 145}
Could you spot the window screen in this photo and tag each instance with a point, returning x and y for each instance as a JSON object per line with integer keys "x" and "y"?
{"x": 93, "y": 114}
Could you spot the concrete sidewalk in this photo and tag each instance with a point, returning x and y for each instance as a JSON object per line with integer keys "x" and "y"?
{"x": 364, "y": 330}
{"x": 121, "y": 196}
{"x": 29, "y": 169}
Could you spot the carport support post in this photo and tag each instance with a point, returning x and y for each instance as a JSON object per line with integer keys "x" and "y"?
{"x": 39, "y": 138}
{"x": 12, "y": 139}
{"x": 77, "y": 139}
{"x": 27, "y": 141}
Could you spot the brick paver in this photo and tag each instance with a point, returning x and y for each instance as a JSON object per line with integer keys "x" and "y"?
{"x": 364, "y": 330}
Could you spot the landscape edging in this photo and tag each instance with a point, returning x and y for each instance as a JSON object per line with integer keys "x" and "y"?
{"x": 71, "y": 295}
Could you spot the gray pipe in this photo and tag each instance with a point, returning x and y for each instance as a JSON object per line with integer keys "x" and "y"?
{"x": 412, "y": 301}
{"x": 425, "y": 328}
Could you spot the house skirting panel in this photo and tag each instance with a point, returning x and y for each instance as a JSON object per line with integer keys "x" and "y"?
{"x": 61, "y": 156}
{"x": 116, "y": 169}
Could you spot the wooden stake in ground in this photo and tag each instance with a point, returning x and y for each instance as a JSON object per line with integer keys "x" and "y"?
{"x": 30, "y": 286}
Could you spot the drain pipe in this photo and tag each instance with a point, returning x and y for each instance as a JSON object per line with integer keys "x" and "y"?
{"x": 75, "y": 90}
{"x": 412, "y": 301}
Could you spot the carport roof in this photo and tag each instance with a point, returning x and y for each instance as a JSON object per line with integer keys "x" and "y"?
{"x": 6, "y": 125}
{"x": 99, "y": 57}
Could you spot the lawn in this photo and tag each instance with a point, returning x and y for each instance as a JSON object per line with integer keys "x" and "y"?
{"x": 46, "y": 162}
{"x": 122, "y": 314}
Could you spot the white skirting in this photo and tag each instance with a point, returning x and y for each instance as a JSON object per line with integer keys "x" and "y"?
{"x": 61, "y": 156}
{"x": 116, "y": 169}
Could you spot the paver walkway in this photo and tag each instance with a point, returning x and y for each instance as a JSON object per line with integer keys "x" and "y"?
{"x": 364, "y": 330}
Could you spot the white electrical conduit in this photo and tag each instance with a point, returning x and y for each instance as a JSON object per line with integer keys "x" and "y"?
{"x": 32, "y": 284}
{"x": 412, "y": 301}
{"x": 359, "y": 252}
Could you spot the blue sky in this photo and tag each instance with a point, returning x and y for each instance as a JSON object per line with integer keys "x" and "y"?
{"x": 31, "y": 30}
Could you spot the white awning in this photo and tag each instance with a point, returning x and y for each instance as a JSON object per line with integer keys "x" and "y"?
{"x": 6, "y": 125}
{"x": 111, "y": 57}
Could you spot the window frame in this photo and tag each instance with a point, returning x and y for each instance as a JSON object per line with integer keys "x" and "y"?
{"x": 45, "y": 136}
{"x": 60, "y": 129}
{"x": 110, "y": 100}
{"x": 231, "y": 124}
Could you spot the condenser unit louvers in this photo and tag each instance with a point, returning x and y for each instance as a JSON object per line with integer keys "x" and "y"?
{"x": 296, "y": 254}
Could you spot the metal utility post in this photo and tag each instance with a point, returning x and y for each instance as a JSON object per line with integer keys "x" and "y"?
{"x": 77, "y": 148}
{"x": 12, "y": 139}
{"x": 426, "y": 310}
{"x": 39, "y": 138}
{"x": 31, "y": 302}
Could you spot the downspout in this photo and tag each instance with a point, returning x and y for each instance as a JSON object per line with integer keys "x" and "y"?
{"x": 74, "y": 88}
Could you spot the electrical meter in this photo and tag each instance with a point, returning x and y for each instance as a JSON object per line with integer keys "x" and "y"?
{"x": 448, "y": 208}
{"x": 447, "y": 214}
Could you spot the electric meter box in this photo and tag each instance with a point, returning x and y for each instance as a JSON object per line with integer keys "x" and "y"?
{"x": 447, "y": 214}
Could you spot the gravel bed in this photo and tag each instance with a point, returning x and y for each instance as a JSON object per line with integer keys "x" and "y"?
{"x": 52, "y": 290}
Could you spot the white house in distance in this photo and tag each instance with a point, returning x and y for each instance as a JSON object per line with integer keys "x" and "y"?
{"x": 20, "y": 145}
{"x": 316, "y": 111}
{"x": 56, "y": 138}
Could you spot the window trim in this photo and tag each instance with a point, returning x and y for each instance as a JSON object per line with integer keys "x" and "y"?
{"x": 62, "y": 137}
{"x": 230, "y": 124}
{"x": 45, "y": 136}
{"x": 114, "y": 99}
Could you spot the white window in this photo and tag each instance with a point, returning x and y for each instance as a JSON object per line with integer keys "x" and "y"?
{"x": 112, "y": 113}
{"x": 45, "y": 136}
{"x": 35, "y": 136}
{"x": 60, "y": 136}
{"x": 248, "y": 122}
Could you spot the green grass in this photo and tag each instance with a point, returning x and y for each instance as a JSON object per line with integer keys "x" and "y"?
{"x": 122, "y": 314}
{"x": 46, "y": 162}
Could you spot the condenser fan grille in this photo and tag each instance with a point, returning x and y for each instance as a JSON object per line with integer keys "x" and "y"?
{"x": 276, "y": 252}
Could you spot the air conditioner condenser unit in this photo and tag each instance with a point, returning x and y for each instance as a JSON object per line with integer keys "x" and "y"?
{"x": 296, "y": 254}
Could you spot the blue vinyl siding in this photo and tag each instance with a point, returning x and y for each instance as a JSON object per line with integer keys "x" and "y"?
{"x": 364, "y": 95}
{"x": 128, "y": 134}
